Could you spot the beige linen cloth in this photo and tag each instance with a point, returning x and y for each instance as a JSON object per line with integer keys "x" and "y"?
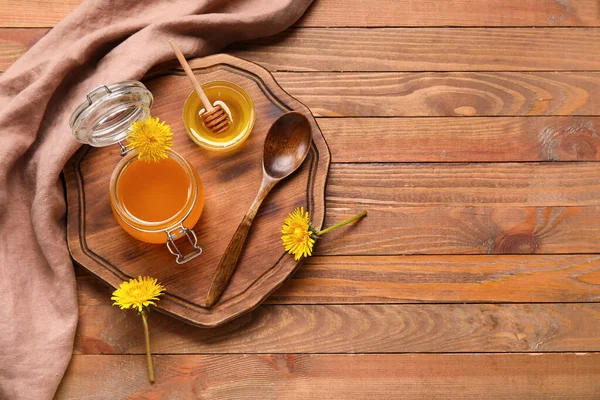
{"x": 101, "y": 42}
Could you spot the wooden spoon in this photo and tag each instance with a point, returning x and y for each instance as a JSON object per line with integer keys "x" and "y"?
{"x": 286, "y": 146}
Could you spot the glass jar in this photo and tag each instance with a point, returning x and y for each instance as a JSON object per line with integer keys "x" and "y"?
{"x": 153, "y": 202}
{"x": 236, "y": 102}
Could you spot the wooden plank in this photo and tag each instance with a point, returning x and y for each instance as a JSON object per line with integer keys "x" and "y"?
{"x": 396, "y": 185}
{"x": 390, "y": 230}
{"x": 352, "y": 328}
{"x": 441, "y": 279}
{"x": 399, "y": 49}
{"x": 35, "y": 13}
{"x": 474, "y": 139}
{"x": 90, "y": 289}
{"x": 426, "y": 49}
{"x": 430, "y": 94}
{"x": 423, "y": 279}
{"x": 15, "y": 42}
{"x": 350, "y": 376}
{"x": 345, "y": 13}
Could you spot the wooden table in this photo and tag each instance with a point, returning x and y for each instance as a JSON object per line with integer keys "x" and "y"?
{"x": 470, "y": 132}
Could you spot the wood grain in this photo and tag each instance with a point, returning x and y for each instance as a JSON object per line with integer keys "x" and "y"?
{"x": 475, "y": 139}
{"x": 368, "y": 376}
{"x": 15, "y": 42}
{"x": 344, "y": 13}
{"x": 352, "y": 328}
{"x": 35, "y": 13}
{"x": 423, "y": 279}
{"x": 426, "y": 49}
{"x": 400, "y": 49}
{"x": 391, "y": 230}
{"x": 472, "y": 184}
{"x": 430, "y": 94}
{"x": 438, "y": 279}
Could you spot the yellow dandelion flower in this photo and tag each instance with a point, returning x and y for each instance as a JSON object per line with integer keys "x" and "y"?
{"x": 151, "y": 138}
{"x": 137, "y": 293}
{"x": 299, "y": 235}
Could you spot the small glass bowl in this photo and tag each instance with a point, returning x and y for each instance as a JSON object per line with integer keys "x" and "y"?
{"x": 239, "y": 106}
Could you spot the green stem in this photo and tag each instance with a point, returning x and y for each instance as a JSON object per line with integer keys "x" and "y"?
{"x": 148, "y": 354}
{"x": 357, "y": 216}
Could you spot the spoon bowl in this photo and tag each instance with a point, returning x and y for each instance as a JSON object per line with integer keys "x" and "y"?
{"x": 286, "y": 146}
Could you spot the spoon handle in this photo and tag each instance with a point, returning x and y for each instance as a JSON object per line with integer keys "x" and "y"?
{"x": 234, "y": 249}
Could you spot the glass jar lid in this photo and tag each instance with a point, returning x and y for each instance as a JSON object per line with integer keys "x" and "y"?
{"x": 105, "y": 116}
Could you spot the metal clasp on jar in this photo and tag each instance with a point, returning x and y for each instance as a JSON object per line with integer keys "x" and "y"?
{"x": 125, "y": 148}
{"x": 178, "y": 232}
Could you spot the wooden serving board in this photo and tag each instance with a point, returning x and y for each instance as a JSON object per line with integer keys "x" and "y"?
{"x": 231, "y": 180}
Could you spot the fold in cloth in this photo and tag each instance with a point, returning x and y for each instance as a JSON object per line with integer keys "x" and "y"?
{"x": 101, "y": 42}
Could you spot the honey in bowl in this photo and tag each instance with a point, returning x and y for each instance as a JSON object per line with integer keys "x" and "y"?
{"x": 241, "y": 110}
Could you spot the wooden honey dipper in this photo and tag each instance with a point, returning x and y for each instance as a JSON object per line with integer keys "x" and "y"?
{"x": 215, "y": 117}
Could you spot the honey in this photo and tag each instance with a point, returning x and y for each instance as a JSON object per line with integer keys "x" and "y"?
{"x": 153, "y": 192}
{"x": 241, "y": 110}
{"x": 150, "y": 199}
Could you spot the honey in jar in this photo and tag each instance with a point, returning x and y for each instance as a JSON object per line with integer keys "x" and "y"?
{"x": 153, "y": 202}
{"x": 152, "y": 199}
{"x": 155, "y": 191}
{"x": 236, "y": 102}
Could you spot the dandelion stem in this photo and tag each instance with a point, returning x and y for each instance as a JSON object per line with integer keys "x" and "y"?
{"x": 357, "y": 216}
{"x": 148, "y": 354}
